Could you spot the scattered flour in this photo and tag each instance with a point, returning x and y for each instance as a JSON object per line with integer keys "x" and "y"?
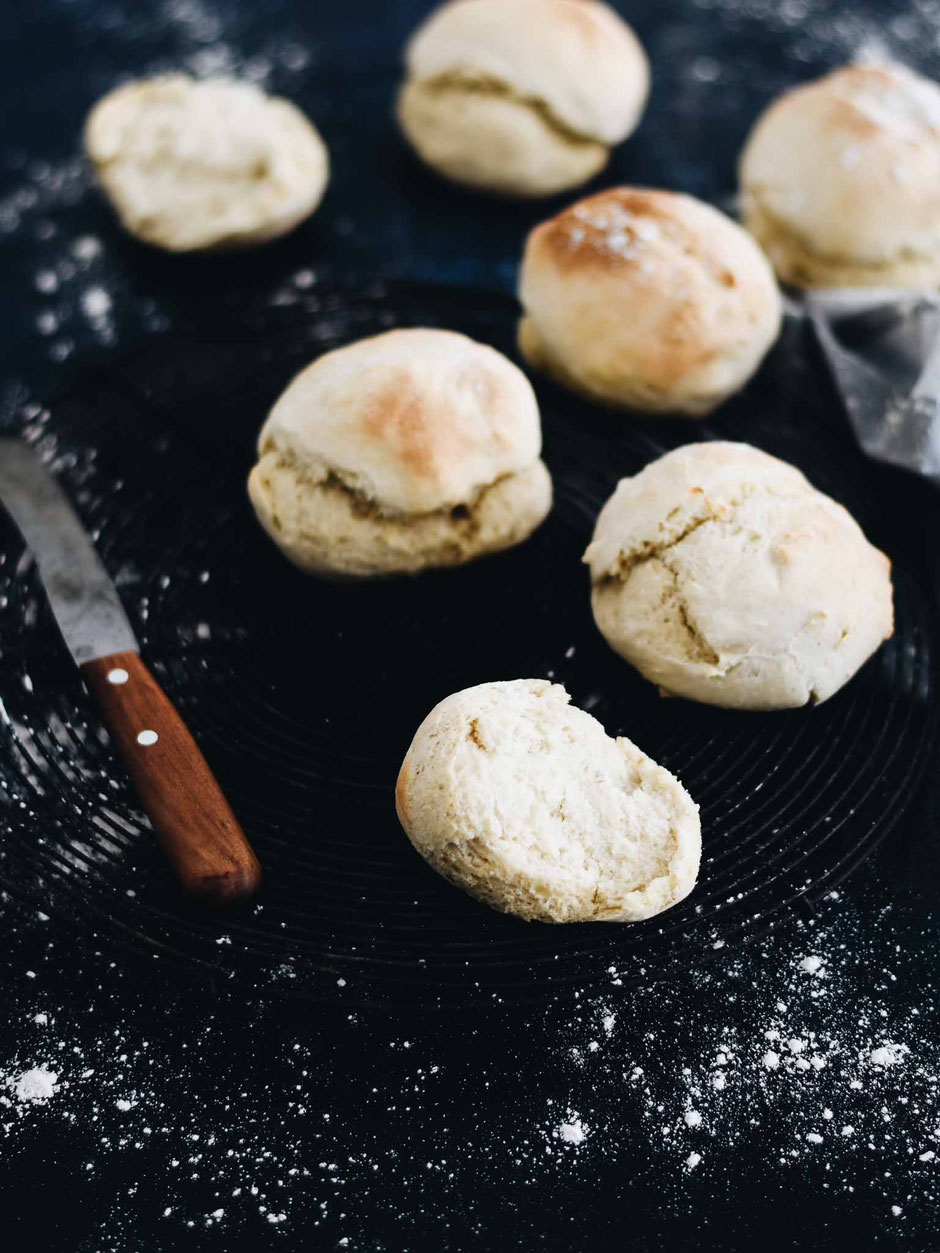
{"x": 831, "y": 1064}
{"x": 573, "y": 1131}
{"x": 888, "y": 1054}
{"x": 35, "y": 1086}
{"x": 820, "y": 32}
{"x": 79, "y": 282}
{"x": 836, "y": 1088}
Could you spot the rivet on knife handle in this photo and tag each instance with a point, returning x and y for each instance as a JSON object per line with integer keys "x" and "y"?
{"x": 198, "y": 831}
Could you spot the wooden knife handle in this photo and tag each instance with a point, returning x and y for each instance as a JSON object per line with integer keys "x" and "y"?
{"x": 198, "y": 831}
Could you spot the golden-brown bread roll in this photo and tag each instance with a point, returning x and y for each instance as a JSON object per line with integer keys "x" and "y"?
{"x": 648, "y": 300}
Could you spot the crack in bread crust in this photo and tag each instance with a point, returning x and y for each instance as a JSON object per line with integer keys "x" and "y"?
{"x": 327, "y": 527}
{"x": 331, "y": 479}
{"x": 463, "y": 516}
{"x": 485, "y": 85}
{"x": 700, "y": 649}
{"x": 798, "y": 262}
{"x": 653, "y": 550}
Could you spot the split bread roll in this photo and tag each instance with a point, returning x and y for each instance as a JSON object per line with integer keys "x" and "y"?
{"x": 199, "y": 164}
{"x": 411, "y": 449}
{"x": 647, "y": 300}
{"x": 841, "y": 180}
{"x": 526, "y": 803}
{"x": 522, "y": 97}
{"x": 724, "y": 576}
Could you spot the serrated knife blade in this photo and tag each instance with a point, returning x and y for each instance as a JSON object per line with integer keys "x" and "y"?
{"x": 79, "y": 589}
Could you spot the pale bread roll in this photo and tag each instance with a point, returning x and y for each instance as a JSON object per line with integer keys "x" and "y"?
{"x": 522, "y": 97}
{"x": 411, "y": 449}
{"x": 525, "y": 802}
{"x": 841, "y": 180}
{"x": 485, "y": 139}
{"x": 724, "y": 576}
{"x": 647, "y": 300}
{"x": 201, "y": 164}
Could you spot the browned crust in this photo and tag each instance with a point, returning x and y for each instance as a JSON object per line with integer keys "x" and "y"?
{"x": 571, "y": 242}
{"x": 416, "y": 432}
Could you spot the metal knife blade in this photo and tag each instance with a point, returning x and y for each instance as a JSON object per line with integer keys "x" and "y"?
{"x": 80, "y": 591}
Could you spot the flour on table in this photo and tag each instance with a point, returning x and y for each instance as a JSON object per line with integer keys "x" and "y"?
{"x": 34, "y": 1086}
{"x": 888, "y": 1054}
{"x": 573, "y": 1131}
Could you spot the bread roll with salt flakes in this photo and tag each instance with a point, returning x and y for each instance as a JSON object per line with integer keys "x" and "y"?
{"x": 647, "y": 300}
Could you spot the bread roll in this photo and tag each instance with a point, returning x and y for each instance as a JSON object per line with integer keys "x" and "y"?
{"x": 522, "y": 97}
{"x": 526, "y": 803}
{"x": 725, "y": 577}
{"x": 647, "y": 300}
{"x": 206, "y": 164}
{"x": 411, "y": 449}
{"x": 841, "y": 180}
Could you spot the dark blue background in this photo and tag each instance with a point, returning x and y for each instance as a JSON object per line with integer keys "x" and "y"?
{"x": 220, "y": 1068}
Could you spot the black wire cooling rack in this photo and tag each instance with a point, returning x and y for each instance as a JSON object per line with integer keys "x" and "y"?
{"x": 304, "y": 695}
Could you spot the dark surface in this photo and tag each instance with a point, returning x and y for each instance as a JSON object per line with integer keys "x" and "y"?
{"x": 436, "y": 1126}
{"x": 306, "y": 695}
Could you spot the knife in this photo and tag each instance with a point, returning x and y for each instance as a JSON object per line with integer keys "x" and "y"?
{"x": 198, "y": 831}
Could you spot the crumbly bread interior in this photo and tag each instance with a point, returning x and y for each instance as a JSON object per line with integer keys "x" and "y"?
{"x": 527, "y": 803}
{"x": 205, "y": 164}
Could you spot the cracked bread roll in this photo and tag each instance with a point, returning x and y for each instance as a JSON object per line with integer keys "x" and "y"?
{"x": 647, "y": 300}
{"x": 411, "y": 449}
{"x": 201, "y": 164}
{"x": 724, "y": 576}
{"x": 525, "y": 802}
{"x": 841, "y": 180}
{"x": 522, "y": 97}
